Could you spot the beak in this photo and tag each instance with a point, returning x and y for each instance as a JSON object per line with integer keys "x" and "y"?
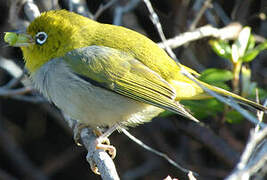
{"x": 18, "y": 39}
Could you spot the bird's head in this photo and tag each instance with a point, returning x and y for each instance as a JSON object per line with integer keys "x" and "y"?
{"x": 51, "y": 35}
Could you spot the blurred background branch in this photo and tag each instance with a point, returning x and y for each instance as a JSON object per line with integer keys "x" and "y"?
{"x": 202, "y": 35}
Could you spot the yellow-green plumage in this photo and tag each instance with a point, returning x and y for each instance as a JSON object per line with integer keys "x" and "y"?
{"x": 70, "y": 31}
{"x": 120, "y": 59}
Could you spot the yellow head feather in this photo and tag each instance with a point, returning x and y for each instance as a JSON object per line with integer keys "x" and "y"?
{"x": 63, "y": 31}
{"x": 67, "y": 31}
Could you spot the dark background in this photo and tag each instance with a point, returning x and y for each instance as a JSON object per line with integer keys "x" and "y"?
{"x": 34, "y": 143}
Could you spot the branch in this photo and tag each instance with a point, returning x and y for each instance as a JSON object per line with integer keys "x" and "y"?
{"x": 14, "y": 92}
{"x": 253, "y": 158}
{"x": 229, "y": 101}
{"x": 95, "y": 157}
{"x": 31, "y": 10}
{"x": 165, "y": 156}
{"x": 259, "y": 113}
{"x": 183, "y": 71}
{"x": 228, "y": 32}
{"x": 14, "y": 70}
{"x": 11, "y": 67}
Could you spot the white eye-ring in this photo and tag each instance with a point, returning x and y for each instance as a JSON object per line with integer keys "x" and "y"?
{"x": 40, "y": 38}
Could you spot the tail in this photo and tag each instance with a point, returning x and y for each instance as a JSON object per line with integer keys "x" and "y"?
{"x": 240, "y": 99}
{"x": 183, "y": 112}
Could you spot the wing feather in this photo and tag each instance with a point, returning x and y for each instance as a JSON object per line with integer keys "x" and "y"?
{"x": 125, "y": 75}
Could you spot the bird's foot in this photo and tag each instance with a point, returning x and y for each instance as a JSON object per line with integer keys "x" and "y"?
{"x": 101, "y": 142}
{"x": 104, "y": 144}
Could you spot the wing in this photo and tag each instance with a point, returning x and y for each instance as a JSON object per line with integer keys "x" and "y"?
{"x": 125, "y": 75}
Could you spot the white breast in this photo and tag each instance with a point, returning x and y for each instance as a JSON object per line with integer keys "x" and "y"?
{"x": 86, "y": 103}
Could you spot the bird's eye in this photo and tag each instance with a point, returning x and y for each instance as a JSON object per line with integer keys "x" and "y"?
{"x": 40, "y": 38}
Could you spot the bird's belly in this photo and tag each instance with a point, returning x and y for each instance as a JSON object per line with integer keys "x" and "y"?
{"x": 98, "y": 107}
{"x": 89, "y": 104}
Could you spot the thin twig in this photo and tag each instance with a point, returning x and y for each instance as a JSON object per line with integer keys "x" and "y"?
{"x": 253, "y": 158}
{"x": 206, "y": 5}
{"x": 211, "y": 19}
{"x": 137, "y": 141}
{"x": 102, "y": 8}
{"x": 14, "y": 70}
{"x": 120, "y": 10}
{"x": 14, "y": 92}
{"x": 155, "y": 19}
{"x": 14, "y": 82}
{"x": 227, "y": 101}
{"x": 30, "y": 99}
{"x": 259, "y": 113}
{"x": 191, "y": 176}
{"x": 221, "y": 13}
{"x": 187, "y": 74}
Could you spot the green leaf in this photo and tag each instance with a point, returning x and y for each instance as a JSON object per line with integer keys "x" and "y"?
{"x": 166, "y": 113}
{"x": 252, "y": 53}
{"x": 262, "y": 93}
{"x": 234, "y": 54}
{"x": 234, "y": 117}
{"x": 249, "y": 56}
{"x": 216, "y": 75}
{"x": 221, "y": 48}
{"x": 251, "y": 42}
{"x": 242, "y": 41}
{"x": 221, "y": 85}
{"x": 204, "y": 108}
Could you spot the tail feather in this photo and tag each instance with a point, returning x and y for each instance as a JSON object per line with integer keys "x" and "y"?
{"x": 235, "y": 96}
{"x": 182, "y": 111}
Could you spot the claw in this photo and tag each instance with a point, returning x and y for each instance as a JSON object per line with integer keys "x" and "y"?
{"x": 95, "y": 169}
{"x": 93, "y": 166}
{"x": 104, "y": 144}
{"x": 97, "y": 132}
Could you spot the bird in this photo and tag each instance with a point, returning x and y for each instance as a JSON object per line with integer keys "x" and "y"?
{"x": 104, "y": 75}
